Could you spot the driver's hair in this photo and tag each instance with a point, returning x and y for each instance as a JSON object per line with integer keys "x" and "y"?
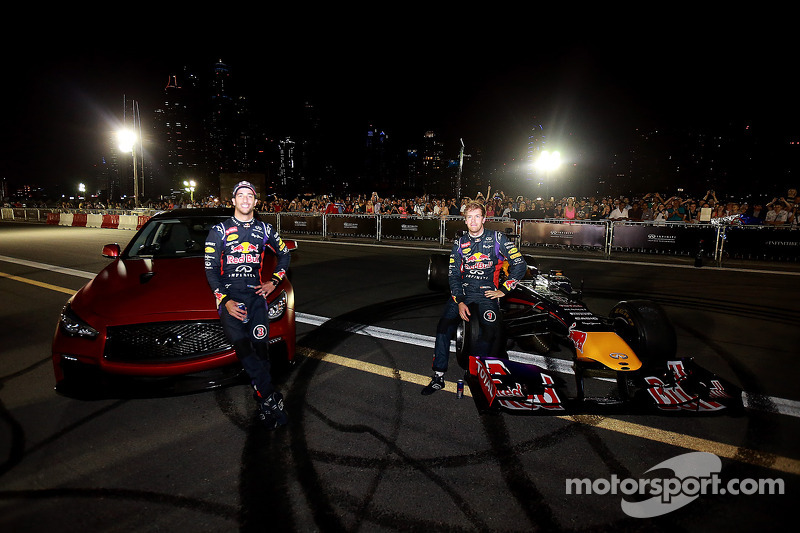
{"x": 473, "y": 205}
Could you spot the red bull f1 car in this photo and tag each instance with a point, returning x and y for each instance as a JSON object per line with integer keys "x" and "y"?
{"x": 548, "y": 332}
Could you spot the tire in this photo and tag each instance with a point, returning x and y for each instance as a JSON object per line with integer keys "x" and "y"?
{"x": 533, "y": 267}
{"x": 467, "y": 335}
{"x": 647, "y": 329}
{"x": 438, "y": 268}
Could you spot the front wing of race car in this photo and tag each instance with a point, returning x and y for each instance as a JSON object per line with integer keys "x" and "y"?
{"x": 679, "y": 386}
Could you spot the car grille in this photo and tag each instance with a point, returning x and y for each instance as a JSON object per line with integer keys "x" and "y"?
{"x": 165, "y": 342}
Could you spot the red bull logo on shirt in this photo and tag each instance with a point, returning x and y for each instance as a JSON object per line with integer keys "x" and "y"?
{"x": 245, "y": 248}
{"x": 478, "y": 260}
{"x": 249, "y": 254}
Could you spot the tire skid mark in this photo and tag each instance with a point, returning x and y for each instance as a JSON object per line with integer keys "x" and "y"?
{"x": 789, "y": 316}
{"x": 520, "y": 485}
{"x": 362, "y": 511}
{"x": 19, "y": 452}
{"x": 319, "y": 500}
{"x": 160, "y": 498}
{"x": 402, "y": 459}
{"x": 759, "y": 429}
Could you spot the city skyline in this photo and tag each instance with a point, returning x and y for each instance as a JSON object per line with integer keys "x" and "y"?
{"x": 592, "y": 92}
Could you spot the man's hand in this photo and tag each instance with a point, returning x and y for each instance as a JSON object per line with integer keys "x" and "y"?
{"x": 233, "y": 310}
{"x": 494, "y": 294}
{"x": 463, "y": 310}
{"x": 265, "y": 288}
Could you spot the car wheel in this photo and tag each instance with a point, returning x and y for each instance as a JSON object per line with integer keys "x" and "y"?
{"x": 647, "y": 329}
{"x": 467, "y": 336}
{"x": 533, "y": 267}
{"x": 438, "y": 268}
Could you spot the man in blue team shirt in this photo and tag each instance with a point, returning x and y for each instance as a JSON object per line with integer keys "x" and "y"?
{"x": 233, "y": 261}
{"x": 476, "y": 262}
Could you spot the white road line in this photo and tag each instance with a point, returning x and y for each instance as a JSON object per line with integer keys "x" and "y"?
{"x": 51, "y": 268}
{"x": 751, "y": 400}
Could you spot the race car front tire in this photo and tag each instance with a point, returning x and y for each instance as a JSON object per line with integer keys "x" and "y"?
{"x": 468, "y": 334}
{"x": 647, "y": 329}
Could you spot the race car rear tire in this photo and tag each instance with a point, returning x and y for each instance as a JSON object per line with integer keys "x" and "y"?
{"x": 647, "y": 329}
{"x": 438, "y": 266}
{"x": 532, "y": 269}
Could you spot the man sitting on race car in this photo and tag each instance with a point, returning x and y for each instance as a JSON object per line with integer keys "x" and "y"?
{"x": 476, "y": 261}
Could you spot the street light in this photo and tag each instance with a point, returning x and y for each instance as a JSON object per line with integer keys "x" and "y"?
{"x": 548, "y": 162}
{"x": 189, "y": 186}
{"x": 127, "y": 144}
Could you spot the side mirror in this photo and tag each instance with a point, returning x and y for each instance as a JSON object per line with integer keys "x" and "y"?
{"x": 111, "y": 251}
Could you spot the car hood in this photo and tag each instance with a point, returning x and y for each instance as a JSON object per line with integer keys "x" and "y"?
{"x": 138, "y": 290}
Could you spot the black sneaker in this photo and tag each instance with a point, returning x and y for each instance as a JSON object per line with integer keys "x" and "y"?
{"x": 271, "y": 413}
{"x": 437, "y": 383}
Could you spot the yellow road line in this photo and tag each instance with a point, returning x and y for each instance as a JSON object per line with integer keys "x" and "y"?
{"x": 372, "y": 368}
{"x": 736, "y": 453}
{"x": 38, "y": 284}
{"x": 753, "y": 457}
{"x": 728, "y": 451}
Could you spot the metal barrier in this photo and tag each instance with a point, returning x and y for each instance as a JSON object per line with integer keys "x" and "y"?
{"x": 677, "y": 238}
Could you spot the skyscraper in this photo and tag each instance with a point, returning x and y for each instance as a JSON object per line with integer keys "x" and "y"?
{"x": 179, "y": 127}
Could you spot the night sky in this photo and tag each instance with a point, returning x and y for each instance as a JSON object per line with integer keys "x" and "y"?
{"x": 474, "y": 78}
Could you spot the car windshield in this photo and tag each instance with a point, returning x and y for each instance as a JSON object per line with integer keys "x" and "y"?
{"x": 172, "y": 237}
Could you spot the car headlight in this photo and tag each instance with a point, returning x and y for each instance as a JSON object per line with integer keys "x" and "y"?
{"x": 72, "y": 325}
{"x": 277, "y": 307}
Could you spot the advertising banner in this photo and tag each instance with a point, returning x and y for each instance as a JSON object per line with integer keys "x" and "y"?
{"x": 565, "y": 234}
{"x": 762, "y": 242}
{"x": 352, "y": 225}
{"x": 399, "y": 227}
{"x": 269, "y": 218}
{"x": 300, "y": 224}
{"x": 668, "y": 238}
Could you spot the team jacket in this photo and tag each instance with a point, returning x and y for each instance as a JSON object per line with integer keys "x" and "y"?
{"x": 476, "y": 264}
{"x": 234, "y": 252}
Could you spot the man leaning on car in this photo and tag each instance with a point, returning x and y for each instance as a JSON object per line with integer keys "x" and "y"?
{"x": 476, "y": 261}
{"x": 233, "y": 254}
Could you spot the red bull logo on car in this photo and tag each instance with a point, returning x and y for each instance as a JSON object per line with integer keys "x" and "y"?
{"x": 578, "y": 338}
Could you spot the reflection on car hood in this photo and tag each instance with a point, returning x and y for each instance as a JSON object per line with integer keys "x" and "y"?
{"x": 130, "y": 290}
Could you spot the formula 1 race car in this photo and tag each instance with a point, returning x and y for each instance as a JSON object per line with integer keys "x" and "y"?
{"x": 632, "y": 352}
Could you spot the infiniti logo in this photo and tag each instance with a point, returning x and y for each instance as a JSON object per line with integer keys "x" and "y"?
{"x": 169, "y": 340}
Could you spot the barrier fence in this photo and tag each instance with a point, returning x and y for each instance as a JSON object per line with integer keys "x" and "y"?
{"x": 707, "y": 240}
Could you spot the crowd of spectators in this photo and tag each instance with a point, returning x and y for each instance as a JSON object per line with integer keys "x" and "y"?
{"x": 648, "y": 207}
{"x": 781, "y": 211}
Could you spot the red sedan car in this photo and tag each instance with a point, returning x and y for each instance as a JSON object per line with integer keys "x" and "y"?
{"x": 149, "y": 318}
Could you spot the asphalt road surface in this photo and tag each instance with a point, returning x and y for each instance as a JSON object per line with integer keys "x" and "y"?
{"x": 364, "y": 450}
